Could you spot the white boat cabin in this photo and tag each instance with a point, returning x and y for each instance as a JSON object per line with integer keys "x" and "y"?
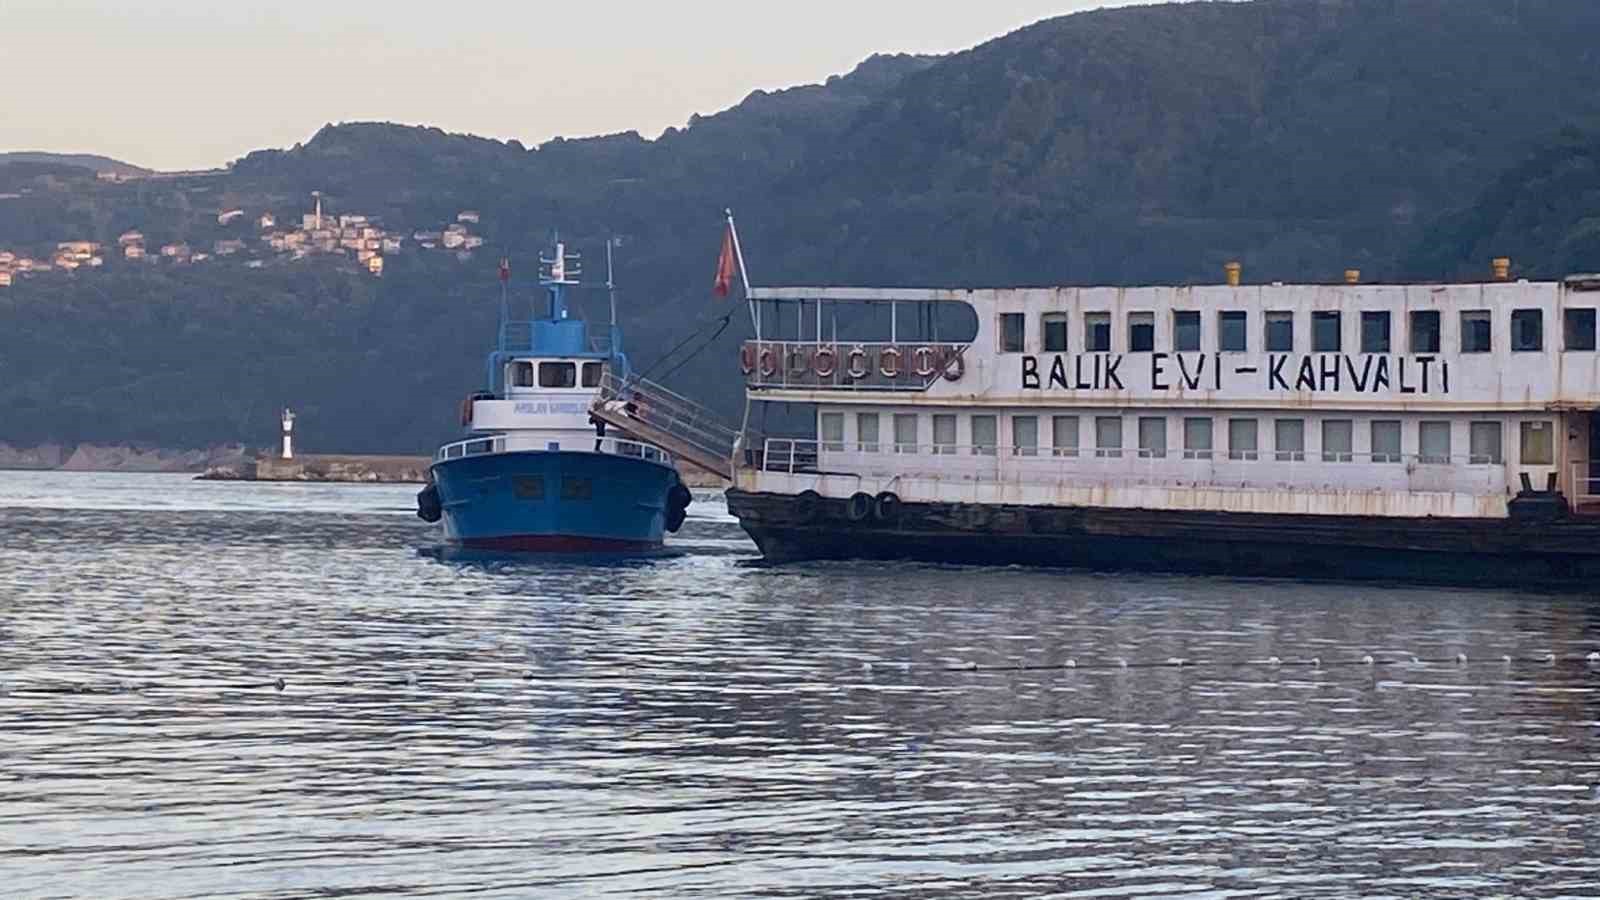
{"x": 1350, "y": 399}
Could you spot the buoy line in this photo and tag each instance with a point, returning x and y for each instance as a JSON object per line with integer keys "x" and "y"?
{"x": 281, "y": 684}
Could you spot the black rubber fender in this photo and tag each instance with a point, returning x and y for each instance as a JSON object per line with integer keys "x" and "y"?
{"x": 886, "y": 506}
{"x": 858, "y": 507}
{"x": 678, "y": 500}
{"x": 808, "y": 506}
{"x": 429, "y": 508}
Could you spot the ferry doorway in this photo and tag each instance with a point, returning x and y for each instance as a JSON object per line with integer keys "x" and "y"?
{"x": 1586, "y": 493}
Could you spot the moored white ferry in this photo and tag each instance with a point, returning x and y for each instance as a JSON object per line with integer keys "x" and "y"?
{"x": 1426, "y": 432}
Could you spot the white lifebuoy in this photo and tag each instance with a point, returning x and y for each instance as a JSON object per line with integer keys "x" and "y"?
{"x": 857, "y": 355}
{"x": 769, "y": 362}
{"x": 889, "y": 353}
{"x": 817, "y": 365}
{"x": 922, "y": 362}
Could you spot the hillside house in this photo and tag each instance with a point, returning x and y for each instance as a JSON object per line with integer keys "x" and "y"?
{"x": 229, "y": 216}
{"x": 267, "y": 222}
{"x": 467, "y": 215}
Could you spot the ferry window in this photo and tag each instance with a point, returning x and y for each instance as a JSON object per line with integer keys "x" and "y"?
{"x": 983, "y": 435}
{"x": 1386, "y": 441}
{"x": 1242, "y": 439}
{"x": 1280, "y": 332}
{"x": 558, "y": 375}
{"x": 1064, "y": 435}
{"x": 1289, "y": 440}
{"x": 905, "y": 433}
{"x": 1425, "y": 331}
{"x": 867, "y": 432}
{"x": 1434, "y": 443}
{"x": 591, "y": 374}
{"x": 1527, "y": 330}
{"x": 944, "y": 434}
{"x": 577, "y": 488}
{"x": 1579, "y": 329}
{"x": 1025, "y": 435}
{"x": 1141, "y": 332}
{"x": 1476, "y": 334}
{"x": 1232, "y": 331}
{"x": 1197, "y": 438}
{"x": 1325, "y": 337}
{"x": 1013, "y": 332}
{"x": 1375, "y": 332}
{"x": 1484, "y": 444}
{"x": 1338, "y": 440}
{"x": 1185, "y": 330}
{"x": 831, "y": 430}
{"x": 1055, "y": 332}
{"x": 522, "y": 374}
{"x": 1108, "y": 437}
{"x": 1097, "y": 332}
{"x": 1538, "y": 444}
{"x": 1152, "y": 437}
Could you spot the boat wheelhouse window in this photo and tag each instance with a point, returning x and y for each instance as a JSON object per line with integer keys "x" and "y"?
{"x": 1325, "y": 327}
{"x": 1055, "y": 332}
{"x": 1483, "y": 444}
{"x": 1197, "y": 438}
{"x": 1538, "y": 444}
{"x": 522, "y": 374}
{"x": 984, "y": 439}
{"x": 1141, "y": 332}
{"x": 591, "y": 374}
{"x": 905, "y": 432}
{"x": 1025, "y": 435}
{"x": 1233, "y": 335}
{"x": 831, "y": 430}
{"x": 1280, "y": 332}
{"x": 1425, "y": 331}
{"x": 1375, "y": 332}
{"x": 558, "y": 375}
{"x": 1242, "y": 434}
{"x": 1013, "y": 332}
{"x": 1185, "y": 330}
{"x": 1108, "y": 437}
{"x": 1064, "y": 435}
{"x": 1289, "y": 440}
{"x": 1578, "y": 329}
{"x": 867, "y": 432}
{"x": 1097, "y": 332}
{"x": 1477, "y": 335}
{"x": 1386, "y": 441}
{"x": 1338, "y": 440}
{"x": 1433, "y": 442}
{"x": 1152, "y": 437}
{"x": 944, "y": 434}
{"x": 1527, "y": 330}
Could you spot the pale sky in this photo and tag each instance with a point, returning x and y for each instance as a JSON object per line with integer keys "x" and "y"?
{"x": 177, "y": 84}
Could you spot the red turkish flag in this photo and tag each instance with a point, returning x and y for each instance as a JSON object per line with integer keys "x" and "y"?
{"x": 725, "y": 263}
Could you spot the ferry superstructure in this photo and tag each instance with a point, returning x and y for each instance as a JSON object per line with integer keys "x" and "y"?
{"x": 534, "y": 472}
{"x": 1429, "y": 432}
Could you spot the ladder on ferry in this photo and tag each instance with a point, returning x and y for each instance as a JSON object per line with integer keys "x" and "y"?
{"x": 658, "y": 416}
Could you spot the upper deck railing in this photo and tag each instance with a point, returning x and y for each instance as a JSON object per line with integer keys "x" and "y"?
{"x": 812, "y": 365}
{"x": 489, "y": 444}
{"x": 649, "y": 410}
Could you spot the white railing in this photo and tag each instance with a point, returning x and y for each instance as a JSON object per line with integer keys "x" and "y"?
{"x": 679, "y": 418}
{"x": 849, "y": 366}
{"x": 1585, "y": 485}
{"x": 481, "y": 446}
{"x": 1087, "y": 466}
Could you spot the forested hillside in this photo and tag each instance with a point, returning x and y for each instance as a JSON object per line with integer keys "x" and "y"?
{"x": 1409, "y": 138}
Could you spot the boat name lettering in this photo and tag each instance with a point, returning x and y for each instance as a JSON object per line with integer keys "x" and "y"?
{"x": 544, "y": 407}
{"x": 1315, "y": 373}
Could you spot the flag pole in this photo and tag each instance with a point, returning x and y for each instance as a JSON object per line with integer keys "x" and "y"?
{"x": 744, "y": 276}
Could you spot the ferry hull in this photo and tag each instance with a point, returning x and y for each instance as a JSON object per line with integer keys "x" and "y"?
{"x": 554, "y": 502}
{"x": 1558, "y": 554}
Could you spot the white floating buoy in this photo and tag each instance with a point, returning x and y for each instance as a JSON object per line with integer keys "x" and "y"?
{"x": 1367, "y": 660}
{"x": 1415, "y": 661}
{"x": 1316, "y": 662}
{"x": 1506, "y": 659}
{"x": 1176, "y": 661}
{"x": 1594, "y": 658}
{"x": 1274, "y": 661}
{"x": 1122, "y": 662}
{"x": 866, "y": 667}
{"x": 1072, "y": 664}
{"x": 1461, "y": 659}
{"x": 528, "y": 675}
{"x": 1549, "y": 659}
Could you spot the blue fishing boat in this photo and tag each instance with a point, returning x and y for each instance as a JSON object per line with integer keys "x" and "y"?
{"x": 535, "y": 472}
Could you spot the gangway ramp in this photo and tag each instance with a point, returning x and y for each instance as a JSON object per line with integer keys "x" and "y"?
{"x": 658, "y": 416}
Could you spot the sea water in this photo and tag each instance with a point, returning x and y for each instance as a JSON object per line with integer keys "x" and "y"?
{"x": 254, "y": 690}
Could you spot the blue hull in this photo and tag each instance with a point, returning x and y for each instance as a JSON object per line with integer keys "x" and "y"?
{"x": 553, "y": 501}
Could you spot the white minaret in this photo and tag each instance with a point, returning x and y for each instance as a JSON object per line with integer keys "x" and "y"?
{"x": 288, "y": 436}
{"x": 317, "y": 195}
